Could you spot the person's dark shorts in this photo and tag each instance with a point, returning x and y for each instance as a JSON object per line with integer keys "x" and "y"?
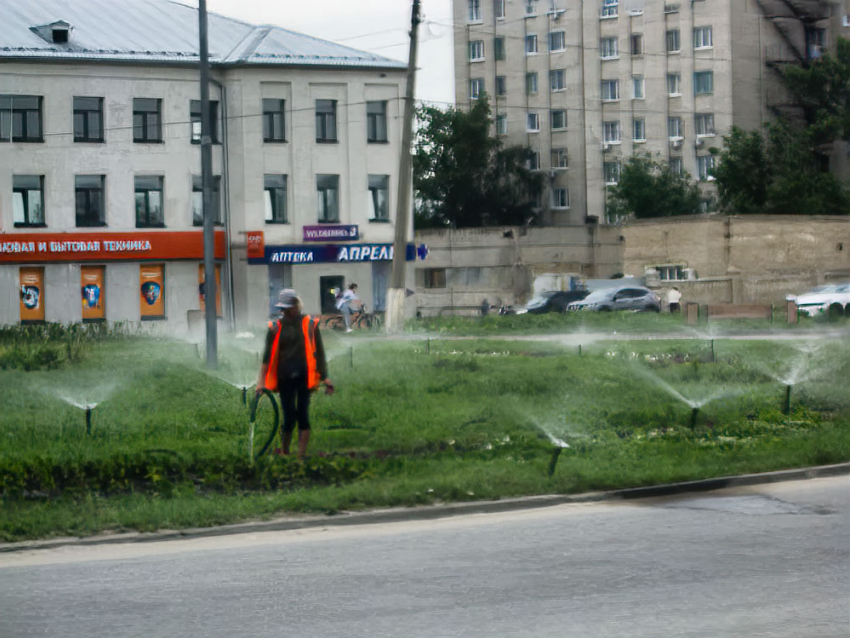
{"x": 674, "y": 307}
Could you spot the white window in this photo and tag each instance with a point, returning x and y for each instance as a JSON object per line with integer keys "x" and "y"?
{"x": 674, "y": 128}
{"x": 557, "y": 41}
{"x": 501, "y": 125}
{"x": 610, "y": 90}
{"x": 559, "y": 119}
{"x": 558, "y": 80}
{"x": 704, "y": 123}
{"x": 639, "y": 129}
{"x": 499, "y": 8}
{"x": 531, "y": 44}
{"x": 476, "y": 88}
{"x": 560, "y": 158}
{"x": 476, "y": 50}
{"x": 611, "y": 132}
{"x": 676, "y": 165}
{"x": 703, "y": 38}
{"x": 608, "y": 48}
{"x": 531, "y": 83}
{"x": 611, "y": 171}
{"x": 674, "y": 84}
{"x": 638, "y": 87}
{"x": 534, "y": 161}
{"x": 705, "y": 166}
{"x": 532, "y": 122}
{"x": 560, "y": 198}
{"x": 531, "y": 7}
{"x": 475, "y": 11}
{"x": 703, "y": 82}
{"x": 610, "y": 8}
{"x": 501, "y": 85}
{"x": 674, "y": 43}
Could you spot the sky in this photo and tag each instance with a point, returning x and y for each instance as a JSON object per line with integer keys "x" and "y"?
{"x": 377, "y": 26}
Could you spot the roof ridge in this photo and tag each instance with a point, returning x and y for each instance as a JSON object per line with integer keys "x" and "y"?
{"x": 248, "y": 45}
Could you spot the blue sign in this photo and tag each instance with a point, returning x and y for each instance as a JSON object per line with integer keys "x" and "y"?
{"x": 330, "y": 253}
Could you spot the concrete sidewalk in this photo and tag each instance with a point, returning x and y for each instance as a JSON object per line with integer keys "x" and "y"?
{"x": 394, "y": 515}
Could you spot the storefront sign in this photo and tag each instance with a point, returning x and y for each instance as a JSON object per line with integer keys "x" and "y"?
{"x": 93, "y": 293}
{"x": 152, "y": 291}
{"x": 338, "y": 232}
{"x": 105, "y": 246}
{"x": 256, "y": 244}
{"x": 32, "y": 294}
{"x": 330, "y": 253}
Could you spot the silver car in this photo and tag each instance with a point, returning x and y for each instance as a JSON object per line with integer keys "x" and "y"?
{"x": 619, "y": 298}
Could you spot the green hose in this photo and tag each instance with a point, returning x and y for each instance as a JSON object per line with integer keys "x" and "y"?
{"x": 255, "y": 402}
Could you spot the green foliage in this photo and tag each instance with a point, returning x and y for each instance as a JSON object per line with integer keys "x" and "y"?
{"x": 648, "y": 188}
{"x": 777, "y": 172}
{"x": 464, "y": 177}
{"x": 823, "y": 89}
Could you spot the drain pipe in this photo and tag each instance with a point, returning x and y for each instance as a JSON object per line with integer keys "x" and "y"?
{"x": 225, "y": 168}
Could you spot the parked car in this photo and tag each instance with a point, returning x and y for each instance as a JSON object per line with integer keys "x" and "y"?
{"x": 552, "y": 301}
{"x": 619, "y": 298}
{"x": 832, "y": 298}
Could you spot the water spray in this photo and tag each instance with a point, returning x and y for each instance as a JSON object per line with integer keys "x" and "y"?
{"x": 694, "y": 415}
{"x": 786, "y": 406}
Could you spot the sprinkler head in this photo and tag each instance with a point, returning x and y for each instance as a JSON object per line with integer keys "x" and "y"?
{"x": 786, "y": 406}
{"x": 88, "y": 421}
{"x": 553, "y": 462}
{"x": 244, "y": 396}
{"x": 694, "y": 414}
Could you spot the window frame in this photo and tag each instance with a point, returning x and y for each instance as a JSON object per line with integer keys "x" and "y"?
{"x": 610, "y": 9}
{"x": 24, "y": 115}
{"x": 678, "y": 92}
{"x": 638, "y": 81}
{"x": 702, "y": 31}
{"x": 557, "y": 80}
{"x": 195, "y": 116}
{"x": 476, "y": 88}
{"x": 270, "y": 119}
{"x": 198, "y": 188}
{"x": 501, "y": 85}
{"x": 559, "y": 153}
{"x": 609, "y": 126}
{"x": 531, "y": 83}
{"x": 499, "y": 9}
{"x": 562, "y": 36}
{"x": 679, "y": 128}
{"x": 612, "y": 46}
{"x": 499, "y": 50}
{"x": 699, "y": 77}
{"x": 676, "y": 34}
{"x": 609, "y": 84}
{"x": 617, "y": 169}
{"x": 706, "y": 162}
{"x": 536, "y": 116}
{"x": 531, "y": 39}
{"x": 373, "y": 198}
{"x": 323, "y": 192}
{"x": 86, "y": 137}
{"x": 376, "y": 122}
{"x": 704, "y": 118}
{"x": 160, "y": 188}
{"x": 635, "y": 137}
{"x": 24, "y": 192}
{"x": 552, "y": 117}
{"x": 433, "y": 278}
{"x": 274, "y": 200}
{"x": 147, "y": 138}
{"x": 501, "y": 124}
{"x": 88, "y": 191}
{"x": 476, "y": 50}
{"x": 474, "y": 13}
{"x": 558, "y": 202}
{"x": 326, "y": 122}
{"x": 636, "y": 38}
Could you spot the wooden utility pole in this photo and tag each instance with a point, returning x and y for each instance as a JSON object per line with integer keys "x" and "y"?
{"x": 210, "y": 292}
{"x": 398, "y": 289}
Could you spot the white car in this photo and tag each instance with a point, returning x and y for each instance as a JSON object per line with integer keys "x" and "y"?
{"x": 833, "y": 298}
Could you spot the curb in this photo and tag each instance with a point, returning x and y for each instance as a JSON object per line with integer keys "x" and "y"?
{"x": 431, "y": 512}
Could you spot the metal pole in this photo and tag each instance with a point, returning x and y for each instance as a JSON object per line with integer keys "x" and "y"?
{"x": 210, "y": 292}
{"x": 397, "y": 291}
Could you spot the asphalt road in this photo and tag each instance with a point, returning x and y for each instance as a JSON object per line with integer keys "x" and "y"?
{"x": 770, "y": 560}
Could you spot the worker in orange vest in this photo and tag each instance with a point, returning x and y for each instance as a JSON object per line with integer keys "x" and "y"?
{"x": 294, "y": 365}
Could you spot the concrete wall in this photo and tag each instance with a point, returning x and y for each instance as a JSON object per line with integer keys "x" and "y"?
{"x": 742, "y": 259}
{"x": 501, "y": 263}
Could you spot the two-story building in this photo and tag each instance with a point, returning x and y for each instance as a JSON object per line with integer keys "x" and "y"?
{"x": 100, "y": 189}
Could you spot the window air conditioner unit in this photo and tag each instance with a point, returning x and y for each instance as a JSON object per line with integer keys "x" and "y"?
{"x": 606, "y": 147}
{"x": 676, "y": 143}
{"x": 698, "y": 143}
{"x": 552, "y": 174}
{"x": 635, "y": 12}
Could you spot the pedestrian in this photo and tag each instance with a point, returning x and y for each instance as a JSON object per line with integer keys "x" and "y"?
{"x": 485, "y": 308}
{"x": 673, "y": 298}
{"x": 294, "y": 364}
{"x": 344, "y": 304}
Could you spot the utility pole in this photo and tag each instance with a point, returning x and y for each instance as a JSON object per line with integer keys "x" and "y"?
{"x": 398, "y": 289}
{"x": 210, "y": 292}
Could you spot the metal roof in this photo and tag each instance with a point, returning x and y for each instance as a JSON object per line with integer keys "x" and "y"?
{"x": 161, "y": 31}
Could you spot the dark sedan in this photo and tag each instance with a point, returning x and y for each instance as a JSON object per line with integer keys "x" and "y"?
{"x": 552, "y": 301}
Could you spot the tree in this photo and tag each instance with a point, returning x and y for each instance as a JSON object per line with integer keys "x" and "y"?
{"x": 464, "y": 177}
{"x": 648, "y": 188}
{"x": 776, "y": 172}
{"x": 823, "y": 90}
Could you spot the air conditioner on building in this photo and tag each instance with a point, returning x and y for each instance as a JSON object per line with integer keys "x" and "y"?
{"x": 605, "y": 147}
{"x": 676, "y": 143}
{"x": 635, "y": 12}
{"x": 698, "y": 143}
{"x": 552, "y": 174}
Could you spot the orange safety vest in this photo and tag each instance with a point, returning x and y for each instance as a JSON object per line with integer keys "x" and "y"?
{"x": 308, "y": 326}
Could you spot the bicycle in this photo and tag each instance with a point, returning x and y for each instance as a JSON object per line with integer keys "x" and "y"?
{"x": 361, "y": 319}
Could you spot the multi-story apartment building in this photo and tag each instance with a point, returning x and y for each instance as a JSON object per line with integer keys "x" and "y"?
{"x": 588, "y": 83}
{"x": 100, "y": 202}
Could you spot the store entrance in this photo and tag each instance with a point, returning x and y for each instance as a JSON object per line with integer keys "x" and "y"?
{"x": 280, "y": 277}
{"x": 328, "y": 287}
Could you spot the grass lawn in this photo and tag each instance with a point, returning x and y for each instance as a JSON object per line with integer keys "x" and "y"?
{"x": 410, "y": 424}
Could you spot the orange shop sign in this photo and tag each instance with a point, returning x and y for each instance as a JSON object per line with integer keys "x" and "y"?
{"x": 21, "y": 248}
